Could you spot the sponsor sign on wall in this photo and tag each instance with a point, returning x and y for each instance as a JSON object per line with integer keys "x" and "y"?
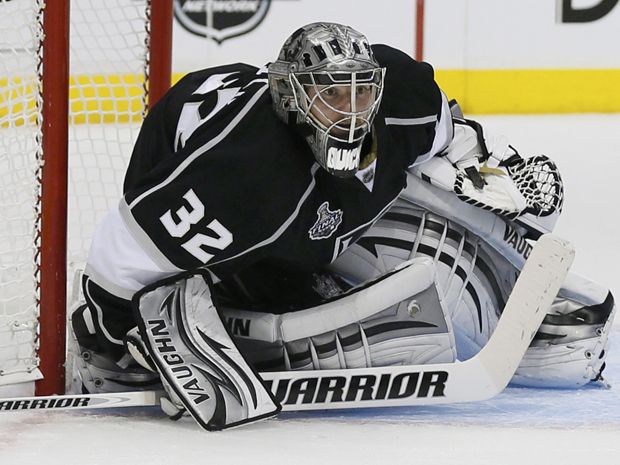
{"x": 220, "y": 19}
{"x": 214, "y": 32}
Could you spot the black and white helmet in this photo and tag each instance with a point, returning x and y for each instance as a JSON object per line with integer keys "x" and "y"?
{"x": 328, "y": 83}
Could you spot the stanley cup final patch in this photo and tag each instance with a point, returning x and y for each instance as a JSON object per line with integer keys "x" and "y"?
{"x": 327, "y": 223}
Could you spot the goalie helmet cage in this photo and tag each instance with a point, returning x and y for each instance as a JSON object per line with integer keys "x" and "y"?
{"x": 76, "y": 77}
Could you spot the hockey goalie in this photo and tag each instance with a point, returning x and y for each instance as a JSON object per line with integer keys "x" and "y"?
{"x": 330, "y": 211}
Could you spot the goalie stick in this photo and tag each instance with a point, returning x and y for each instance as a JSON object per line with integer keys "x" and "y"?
{"x": 481, "y": 377}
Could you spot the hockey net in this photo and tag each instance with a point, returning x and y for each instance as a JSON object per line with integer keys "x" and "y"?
{"x": 119, "y": 58}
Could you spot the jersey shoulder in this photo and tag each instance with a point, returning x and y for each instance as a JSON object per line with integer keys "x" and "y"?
{"x": 192, "y": 81}
{"x": 210, "y": 98}
{"x": 410, "y": 89}
{"x": 194, "y": 104}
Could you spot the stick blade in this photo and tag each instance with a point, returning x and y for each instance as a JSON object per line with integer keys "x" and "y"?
{"x": 537, "y": 286}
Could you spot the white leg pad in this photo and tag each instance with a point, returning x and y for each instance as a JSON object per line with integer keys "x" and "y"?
{"x": 396, "y": 319}
{"x": 570, "y": 347}
{"x": 476, "y": 276}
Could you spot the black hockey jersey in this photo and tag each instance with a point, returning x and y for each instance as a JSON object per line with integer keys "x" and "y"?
{"x": 217, "y": 180}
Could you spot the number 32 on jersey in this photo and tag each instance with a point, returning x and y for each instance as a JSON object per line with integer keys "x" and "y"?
{"x": 219, "y": 240}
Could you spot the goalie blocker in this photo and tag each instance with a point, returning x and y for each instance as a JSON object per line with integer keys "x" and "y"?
{"x": 199, "y": 365}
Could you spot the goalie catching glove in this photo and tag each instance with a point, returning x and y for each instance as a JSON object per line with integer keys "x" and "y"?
{"x": 488, "y": 173}
{"x": 201, "y": 369}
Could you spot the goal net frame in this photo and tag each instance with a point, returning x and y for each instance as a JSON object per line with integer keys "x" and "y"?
{"x": 50, "y": 242}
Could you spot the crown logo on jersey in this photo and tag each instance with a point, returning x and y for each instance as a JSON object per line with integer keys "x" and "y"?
{"x": 327, "y": 223}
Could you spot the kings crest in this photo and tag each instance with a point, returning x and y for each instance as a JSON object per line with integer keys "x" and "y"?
{"x": 327, "y": 223}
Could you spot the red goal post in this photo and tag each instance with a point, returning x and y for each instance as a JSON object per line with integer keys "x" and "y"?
{"x": 103, "y": 84}
{"x": 55, "y": 77}
{"x": 418, "y": 46}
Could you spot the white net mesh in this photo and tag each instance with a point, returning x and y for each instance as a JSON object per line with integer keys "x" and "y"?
{"x": 21, "y": 29}
{"x": 107, "y": 96}
{"x": 108, "y": 56}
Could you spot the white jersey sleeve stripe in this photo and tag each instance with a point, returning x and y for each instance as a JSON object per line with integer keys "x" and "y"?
{"x": 411, "y": 121}
{"x": 444, "y": 132}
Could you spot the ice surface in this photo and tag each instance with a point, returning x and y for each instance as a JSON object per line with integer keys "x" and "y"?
{"x": 521, "y": 426}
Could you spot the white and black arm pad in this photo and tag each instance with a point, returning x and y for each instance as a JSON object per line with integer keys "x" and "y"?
{"x": 119, "y": 262}
{"x": 196, "y": 357}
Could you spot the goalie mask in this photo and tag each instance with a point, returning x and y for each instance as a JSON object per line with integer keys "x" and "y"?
{"x": 327, "y": 82}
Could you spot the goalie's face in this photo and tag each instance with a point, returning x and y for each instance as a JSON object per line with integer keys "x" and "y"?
{"x": 339, "y": 104}
{"x": 341, "y": 110}
{"x": 327, "y": 82}
{"x": 338, "y": 107}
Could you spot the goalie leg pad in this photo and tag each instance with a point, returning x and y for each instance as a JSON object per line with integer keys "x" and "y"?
{"x": 195, "y": 355}
{"x": 98, "y": 370}
{"x": 570, "y": 348}
{"x": 474, "y": 280}
{"x": 395, "y": 319}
